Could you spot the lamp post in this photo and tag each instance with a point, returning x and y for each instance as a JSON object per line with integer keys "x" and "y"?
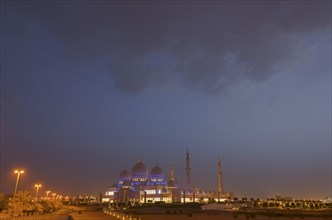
{"x": 47, "y": 192}
{"x": 18, "y": 172}
{"x": 37, "y": 189}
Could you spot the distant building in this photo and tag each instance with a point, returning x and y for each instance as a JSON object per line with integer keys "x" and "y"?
{"x": 327, "y": 200}
{"x": 142, "y": 186}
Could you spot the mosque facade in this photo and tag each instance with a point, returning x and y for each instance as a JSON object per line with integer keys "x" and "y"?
{"x": 142, "y": 186}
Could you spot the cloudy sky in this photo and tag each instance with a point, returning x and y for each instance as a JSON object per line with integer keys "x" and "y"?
{"x": 90, "y": 87}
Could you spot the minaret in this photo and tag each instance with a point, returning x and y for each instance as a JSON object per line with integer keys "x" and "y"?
{"x": 171, "y": 173}
{"x": 188, "y": 181}
{"x": 220, "y": 190}
{"x": 171, "y": 184}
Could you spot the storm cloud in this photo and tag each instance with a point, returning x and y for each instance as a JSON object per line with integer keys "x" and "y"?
{"x": 89, "y": 87}
{"x": 204, "y": 46}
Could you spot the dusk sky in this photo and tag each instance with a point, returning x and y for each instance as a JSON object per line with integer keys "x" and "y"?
{"x": 90, "y": 87}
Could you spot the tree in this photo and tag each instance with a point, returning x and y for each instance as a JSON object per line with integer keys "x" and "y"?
{"x": 39, "y": 208}
{"x": 2, "y": 199}
{"x": 21, "y": 204}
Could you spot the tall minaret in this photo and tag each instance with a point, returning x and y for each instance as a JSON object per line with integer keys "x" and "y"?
{"x": 188, "y": 181}
{"x": 172, "y": 184}
{"x": 171, "y": 173}
{"x": 220, "y": 190}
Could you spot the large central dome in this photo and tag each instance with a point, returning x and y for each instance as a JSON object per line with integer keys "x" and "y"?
{"x": 157, "y": 174}
{"x": 139, "y": 171}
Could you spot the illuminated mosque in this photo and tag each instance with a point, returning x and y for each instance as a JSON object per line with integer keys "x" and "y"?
{"x": 142, "y": 186}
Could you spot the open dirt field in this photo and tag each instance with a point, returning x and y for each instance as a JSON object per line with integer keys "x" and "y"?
{"x": 223, "y": 216}
{"x": 194, "y": 216}
{"x": 91, "y": 215}
{"x": 87, "y": 213}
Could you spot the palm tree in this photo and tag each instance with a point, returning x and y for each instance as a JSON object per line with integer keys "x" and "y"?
{"x": 2, "y": 199}
{"x": 39, "y": 208}
{"x": 21, "y": 203}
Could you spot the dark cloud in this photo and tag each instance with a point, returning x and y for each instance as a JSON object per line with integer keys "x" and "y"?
{"x": 273, "y": 100}
{"x": 206, "y": 46}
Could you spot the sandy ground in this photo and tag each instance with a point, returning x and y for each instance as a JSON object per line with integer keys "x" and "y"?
{"x": 61, "y": 215}
{"x": 99, "y": 215}
{"x": 204, "y": 216}
{"x": 92, "y": 214}
{"x": 220, "y": 216}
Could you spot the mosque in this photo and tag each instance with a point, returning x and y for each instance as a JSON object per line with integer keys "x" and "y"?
{"x": 142, "y": 186}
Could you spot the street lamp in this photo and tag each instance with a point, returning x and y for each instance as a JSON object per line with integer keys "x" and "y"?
{"x": 47, "y": 192}
{"x": 18, "y": 172}
{"x": 37, "y": 188}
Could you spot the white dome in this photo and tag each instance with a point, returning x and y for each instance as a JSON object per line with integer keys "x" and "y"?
{"x": 139, "y": 171}
{"x": 157, "y": 174}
